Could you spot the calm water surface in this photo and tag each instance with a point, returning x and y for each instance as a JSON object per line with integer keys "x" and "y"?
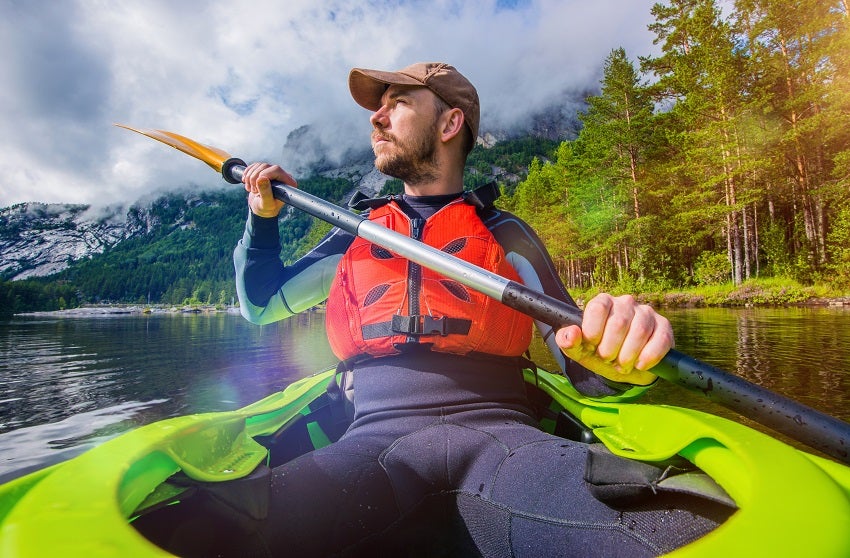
{"x": 803, "y": 353}
{"x": 68, "y": 383}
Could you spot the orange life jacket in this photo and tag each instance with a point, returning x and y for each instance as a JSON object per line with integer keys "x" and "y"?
{"x": 379, "y": 301}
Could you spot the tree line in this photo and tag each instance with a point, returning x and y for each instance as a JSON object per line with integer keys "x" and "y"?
{"x": 723, "y": 158}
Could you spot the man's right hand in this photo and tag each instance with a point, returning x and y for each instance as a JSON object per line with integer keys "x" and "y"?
{"x": 618, "y": 339}
{"x": 257, "y": 179}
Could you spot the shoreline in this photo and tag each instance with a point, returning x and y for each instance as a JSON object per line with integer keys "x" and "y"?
{"x": 751, "y": 294}
{"x": 131, "y": 309}
{"x": 685, "y": 300}
{"x": 666, "y": 300}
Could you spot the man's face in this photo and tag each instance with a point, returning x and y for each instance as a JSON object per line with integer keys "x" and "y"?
{"x": 405, "y": 134}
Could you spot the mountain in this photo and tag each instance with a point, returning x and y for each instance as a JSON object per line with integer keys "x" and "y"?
{"x": 39, "y": 239}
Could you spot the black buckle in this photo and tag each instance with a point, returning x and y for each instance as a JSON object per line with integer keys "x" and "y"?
{"x": 420, "y": 325}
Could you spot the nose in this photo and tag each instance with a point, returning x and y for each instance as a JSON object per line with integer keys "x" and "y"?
{"x": 379, "y": 117}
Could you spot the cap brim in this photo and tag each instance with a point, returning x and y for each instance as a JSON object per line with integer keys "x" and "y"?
{"x": 368, "y": 86}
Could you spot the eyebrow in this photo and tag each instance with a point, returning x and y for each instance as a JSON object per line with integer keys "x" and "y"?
{"x": 398, "y": 92}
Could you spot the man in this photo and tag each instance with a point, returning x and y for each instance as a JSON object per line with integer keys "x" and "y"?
{"x": 442, "y": 440}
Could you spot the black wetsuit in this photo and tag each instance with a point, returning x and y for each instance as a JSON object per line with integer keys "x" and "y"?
{"x": 443, "y": 456}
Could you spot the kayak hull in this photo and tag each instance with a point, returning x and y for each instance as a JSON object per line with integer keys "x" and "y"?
{"x": 799, "y": 502}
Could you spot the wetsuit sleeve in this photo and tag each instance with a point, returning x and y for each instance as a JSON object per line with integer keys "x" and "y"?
{"x": 529, "y": 257}
{"x": 268, "y": 290}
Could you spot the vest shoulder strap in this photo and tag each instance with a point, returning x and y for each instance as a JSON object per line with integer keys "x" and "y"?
{"x": 360, "y": 201}
{"x": 484, "y": 196}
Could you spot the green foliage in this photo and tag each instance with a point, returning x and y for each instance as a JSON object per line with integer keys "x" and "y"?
{"x": 392, "y": 187}
{"x": 507, "y": 162}
{"x": 512, "y": 155}
{"x": 712, "y": 268}
{"x": 36, "y": 294}
{"x": 732, "y": 162}
{"x": 774, "y": 246}
{"x": 839, "y": 250}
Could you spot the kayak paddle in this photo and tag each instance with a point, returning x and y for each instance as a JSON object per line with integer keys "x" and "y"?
{"x": 791, "y": 418}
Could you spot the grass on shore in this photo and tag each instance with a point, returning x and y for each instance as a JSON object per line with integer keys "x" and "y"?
{"x": 774, "y": 291}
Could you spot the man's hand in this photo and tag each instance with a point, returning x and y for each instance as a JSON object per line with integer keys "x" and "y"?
{"x": 257, "y": 179}
{"x": 618, "y": 339}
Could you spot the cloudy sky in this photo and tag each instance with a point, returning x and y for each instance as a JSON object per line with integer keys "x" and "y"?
{"x": 242, "y": 74}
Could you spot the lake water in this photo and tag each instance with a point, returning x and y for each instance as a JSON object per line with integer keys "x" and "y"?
{"x": 68, "y": 383}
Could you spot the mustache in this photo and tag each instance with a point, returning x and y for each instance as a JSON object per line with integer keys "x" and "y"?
{"x": 378, "y": 135}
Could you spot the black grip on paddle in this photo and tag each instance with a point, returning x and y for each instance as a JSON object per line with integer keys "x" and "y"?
{"x": 796, "y": 420}
{"x": 539, "y": 306}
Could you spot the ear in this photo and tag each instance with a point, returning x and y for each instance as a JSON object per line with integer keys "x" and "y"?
{"x": 450, "y": 124}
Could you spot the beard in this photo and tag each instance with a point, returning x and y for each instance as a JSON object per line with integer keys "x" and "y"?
{"x": 412, "y": 160}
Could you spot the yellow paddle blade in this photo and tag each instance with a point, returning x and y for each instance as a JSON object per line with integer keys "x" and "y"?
{"x": 212, "y": 156}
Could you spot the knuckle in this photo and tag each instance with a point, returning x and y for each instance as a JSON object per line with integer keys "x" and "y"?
{"x": 642, "y": 328}
{"x": 619, "y": 322}
{"x": 626, "y": 300}
{"x": 599, "y": 302}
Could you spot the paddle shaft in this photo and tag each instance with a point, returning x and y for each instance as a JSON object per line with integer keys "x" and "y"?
{"x": 795, "y": 420}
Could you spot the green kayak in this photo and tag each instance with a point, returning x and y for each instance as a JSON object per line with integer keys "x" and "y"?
{"x": 788, "y": 502}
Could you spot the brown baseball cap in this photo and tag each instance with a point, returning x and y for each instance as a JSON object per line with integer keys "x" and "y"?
{"x": 367, "y": 87}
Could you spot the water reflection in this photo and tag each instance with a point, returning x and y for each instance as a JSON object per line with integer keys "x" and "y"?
{"x": 33, "y": 447}
{"x": 66, "y": 383}
{"x": 803, "y": 353}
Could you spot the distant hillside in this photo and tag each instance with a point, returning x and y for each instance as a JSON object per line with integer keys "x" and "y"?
{"x": 175, "y": 250}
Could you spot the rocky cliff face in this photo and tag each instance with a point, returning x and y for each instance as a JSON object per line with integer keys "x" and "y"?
{"x": 38, "y": 239}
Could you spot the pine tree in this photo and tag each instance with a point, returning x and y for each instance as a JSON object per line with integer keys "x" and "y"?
{"x": 618, "y": 139}
{"x": 701, "y": 72}
{"x": 801, "y": 49}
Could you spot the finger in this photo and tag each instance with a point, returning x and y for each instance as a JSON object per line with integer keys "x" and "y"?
{"x": 276, "y": 173}
{"x": 568, "y": 337}
{"x": 639, "y": 333}
{"x": 595, "y": 317}
{"x": 569, "y": 340}
{"x": 249, "y": 176}
{"x": 571, "y": 343}
{"x": 616, "y": 328}
{"x": 658, "y": 345}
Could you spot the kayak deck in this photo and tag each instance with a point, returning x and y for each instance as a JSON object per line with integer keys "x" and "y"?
{"x": 85, "y": 506}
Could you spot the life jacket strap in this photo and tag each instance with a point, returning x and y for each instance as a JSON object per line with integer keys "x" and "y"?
{"x": 360, "y": 201}
{"x": 417, "y": 325}
{"x": 484, "y": 196}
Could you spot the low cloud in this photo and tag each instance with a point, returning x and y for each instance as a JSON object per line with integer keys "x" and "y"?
{"x": 242, "y": 75}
